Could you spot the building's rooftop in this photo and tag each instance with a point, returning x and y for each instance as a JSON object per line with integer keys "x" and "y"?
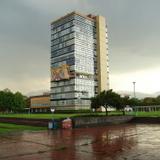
{"x": 89, "y": 16}
{"x": 42, "y": 95}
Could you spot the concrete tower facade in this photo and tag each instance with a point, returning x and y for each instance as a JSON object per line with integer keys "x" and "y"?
{"x": 79, "y": 60}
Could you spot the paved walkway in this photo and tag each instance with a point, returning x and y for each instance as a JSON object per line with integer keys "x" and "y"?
{"x": 101, "y": 143}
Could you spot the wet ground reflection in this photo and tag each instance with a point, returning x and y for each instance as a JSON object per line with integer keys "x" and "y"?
{"x": 119, "y": 142}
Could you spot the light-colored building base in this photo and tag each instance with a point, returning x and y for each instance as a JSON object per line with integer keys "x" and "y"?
{"x": 60, "y": 108}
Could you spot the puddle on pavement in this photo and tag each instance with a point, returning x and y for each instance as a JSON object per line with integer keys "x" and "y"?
{"x": 118, "y": 142}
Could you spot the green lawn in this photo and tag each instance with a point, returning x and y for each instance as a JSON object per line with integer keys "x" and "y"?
{"x": 61, "y": 115}
{"x": 147, "y": 114}
{"x": 55, "y": 116}
{"x": 43, "y": 116}
{"x": 10, "y": 128}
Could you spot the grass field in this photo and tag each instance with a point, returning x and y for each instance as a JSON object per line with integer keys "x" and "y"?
{"x": 10, "y": 128}
{"x": 61, "y": 115}
{"x": 148, "y": 114}
{"x": 55, "y": 116}
{"x": 38, "y": 115}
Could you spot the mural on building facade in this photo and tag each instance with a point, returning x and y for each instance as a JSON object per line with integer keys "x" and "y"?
{"x": 60, "y": 73}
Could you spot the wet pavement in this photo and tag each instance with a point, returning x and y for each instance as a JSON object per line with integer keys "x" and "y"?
{"x": 118, "y": 142}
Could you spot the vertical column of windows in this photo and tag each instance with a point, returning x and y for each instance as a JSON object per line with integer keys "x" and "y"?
{"x": 84, "y": 54}
{"x": 82, "y": 51}
{"x": 62, "y": 41}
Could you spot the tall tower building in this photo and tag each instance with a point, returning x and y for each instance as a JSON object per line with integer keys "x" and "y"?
{"x": 79, "y": 60}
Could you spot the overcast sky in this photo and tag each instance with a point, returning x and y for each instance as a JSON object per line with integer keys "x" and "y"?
{"x": 134, "y": 41}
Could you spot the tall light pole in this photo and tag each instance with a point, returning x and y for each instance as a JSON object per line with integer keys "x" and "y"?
{"x": 52, "y": 111}
{"x": 134, "y": 89}
{"x": 79, "y": 99}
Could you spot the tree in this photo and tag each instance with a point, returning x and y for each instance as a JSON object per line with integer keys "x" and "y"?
{"x": 134, "y": 102}
{"x": 11, "y": 102}
{"x": 109, "y": 100}
{"x": 94, "y": 103}
{"x": 124, "y": 101}
{"x": 149, "y": 101}
{"x": 102, "y": 100}
{"x": 115, "y": 100}
{"x": 98, "y": 101}
{"x": 2, "y": 98}
{"x": 106, "y": 99}
{"x": 157, "y": 99}
{"x": 7, "y": 101}
{"x": 19, "y": 102}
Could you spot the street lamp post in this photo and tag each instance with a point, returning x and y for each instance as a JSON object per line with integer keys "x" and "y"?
{"x": 79, "y": 99}
{"x": 134, "y": 89}
{"x": 51, "y": 124}
{"x": 52, "y": 111}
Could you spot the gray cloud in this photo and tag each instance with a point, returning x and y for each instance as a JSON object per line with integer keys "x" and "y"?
{"x": 133, "y": 28}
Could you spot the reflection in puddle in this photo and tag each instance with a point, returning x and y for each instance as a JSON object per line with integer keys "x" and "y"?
{"x": 96, "y": 143}
{"x": 118, "y": 142}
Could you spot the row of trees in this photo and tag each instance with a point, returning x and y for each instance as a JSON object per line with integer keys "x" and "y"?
{"x": 112, "y": 99}
{"x": 146, "y": 101}
{"x": 11, "y": 102}
{"x": 109, "y": 99}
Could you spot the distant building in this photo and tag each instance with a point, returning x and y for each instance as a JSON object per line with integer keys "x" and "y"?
{"x": 79, "y": 60}
{"x": 128, "y": 108}
{"x": 108, "y": 109}
{"x": 151, "y": 108}
{"x": 39, "y": 103}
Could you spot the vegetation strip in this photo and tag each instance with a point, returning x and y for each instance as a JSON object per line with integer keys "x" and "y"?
{"x": 10, "y": 128}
